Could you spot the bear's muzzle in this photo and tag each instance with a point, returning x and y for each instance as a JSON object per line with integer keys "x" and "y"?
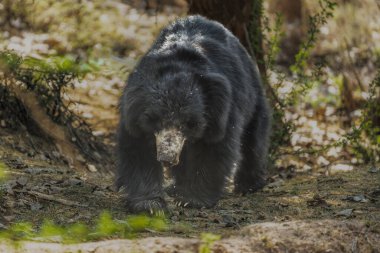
{"x": 169, "y": 144}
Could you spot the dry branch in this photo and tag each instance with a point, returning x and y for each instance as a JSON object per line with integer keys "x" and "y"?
{"x": 55, "y": 199}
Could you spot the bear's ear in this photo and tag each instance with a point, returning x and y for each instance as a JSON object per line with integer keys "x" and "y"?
{"x": 216, "y": 90}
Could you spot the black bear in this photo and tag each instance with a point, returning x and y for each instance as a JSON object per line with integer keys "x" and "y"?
{"x": 195, "y": 104}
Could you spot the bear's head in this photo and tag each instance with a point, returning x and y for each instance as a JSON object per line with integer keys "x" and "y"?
{"x": 175, "y": 108}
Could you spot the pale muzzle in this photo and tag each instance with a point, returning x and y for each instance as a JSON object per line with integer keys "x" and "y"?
{"x": 169, "y": 143}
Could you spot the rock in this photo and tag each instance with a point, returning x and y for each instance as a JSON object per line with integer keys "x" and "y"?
{"x": 174, "y": 218}
{"x": 8, "y": 218}
{"x": 340, "y": 168}
{"x": 321, "y": 161}
{"x": 202, "y": 214}
{"x": 357, "y": 198}
{"x": 261, "y": 216}
{"x": 80, "y": 158}
{"x": 346, "y": 213}
{"x": 97, "y": 155}
{"x": 229, "y": 221}
{"x": 275, "y": 184}
{"x": 99, "y": 193}
{"x": 98, "y": 133}
{"x": 35, "y": 206}
{"x": 373, "y": 170}
{"x": 88, "y": 115}
{"x": 56, "y": 154}
{"x": 31, "y": 153}
{"x": 91, "y": 168}
{"x": 75, "y": 181}
{"x": 22, "y": 181}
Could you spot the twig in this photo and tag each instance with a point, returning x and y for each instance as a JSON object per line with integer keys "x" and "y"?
{"x": 250, "y": 48}
{"x": 274, "y": 95}
{"x": 53, "y": 198}
{"x": 354, "y": 246}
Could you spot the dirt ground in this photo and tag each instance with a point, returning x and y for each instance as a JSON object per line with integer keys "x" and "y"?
{"x": 291, "y": 196}
{"x": 302, "y": 190}
{"x": 293, "y": 236}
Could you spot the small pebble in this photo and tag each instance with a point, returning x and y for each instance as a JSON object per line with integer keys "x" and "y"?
{"x": 75, "y": 181}
{"x": 174, "y": 218}
{"x": 91, "y": 168}
{"x": 99, "y": 193}
{"x": 22, "y": 181}
{"x": 80, "y": 158}
{"x": 202, "y": 214}
{"x": 56, "y": 154}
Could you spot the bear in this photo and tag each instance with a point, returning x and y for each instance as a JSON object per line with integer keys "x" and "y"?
{"x": 194, "y": 104}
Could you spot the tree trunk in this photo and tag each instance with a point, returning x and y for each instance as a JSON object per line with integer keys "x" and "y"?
{"x": 241, "y": 17}
{"x": 293, "y": 27}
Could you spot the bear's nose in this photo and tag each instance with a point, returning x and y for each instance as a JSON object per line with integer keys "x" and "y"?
{"x": 169, "y": 143}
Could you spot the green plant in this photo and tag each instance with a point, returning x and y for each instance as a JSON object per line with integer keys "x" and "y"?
{"x": 365, "y": 139}
{"x": 3, "y": 173}
{"x": 303, "y": 79}
{"x": 207, "y": 241}
{"x": 105, "y": 227}
{"x": 48, "y": 78}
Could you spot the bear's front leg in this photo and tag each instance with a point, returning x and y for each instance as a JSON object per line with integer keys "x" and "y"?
{"x": 201, "y": 175}
{"x": 140, "y": 173}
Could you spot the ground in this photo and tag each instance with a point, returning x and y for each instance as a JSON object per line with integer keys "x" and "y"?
{"x": 291, "y": 196}
{"x": 331, "y": 187}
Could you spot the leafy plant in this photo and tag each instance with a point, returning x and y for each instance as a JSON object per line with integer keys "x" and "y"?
{"x": 48, "y": 78}
{"x": 303, "y": 80}
{"x": 3, "y": 173}
{"x": 105, "y": 227}
{"x": 207, "y": 241}
{"x": 365, "y": 139}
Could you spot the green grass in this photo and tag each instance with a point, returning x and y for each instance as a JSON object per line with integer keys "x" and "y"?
{"x": 105, "y": 228}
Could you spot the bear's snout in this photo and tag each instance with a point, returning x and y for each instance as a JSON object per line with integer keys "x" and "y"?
{"x": 169, "y": 143}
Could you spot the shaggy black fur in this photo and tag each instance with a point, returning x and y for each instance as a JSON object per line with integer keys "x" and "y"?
{"x": 198, "y": 78}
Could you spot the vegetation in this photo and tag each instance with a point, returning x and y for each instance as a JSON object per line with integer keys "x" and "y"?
{"x": 208, "y": 241}
{"x": 49, "y": 78}
{"x": 365, "y": 138}
{"x": 105, "y": 228}
{"x": 3, "y": 173}
{"x": 304, "y": 76}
